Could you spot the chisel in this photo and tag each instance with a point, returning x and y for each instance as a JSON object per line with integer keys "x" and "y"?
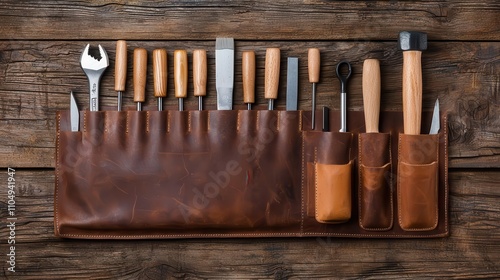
{"x": 313, "y": 65}
{"x": 412, "y": 44}
{"x": 272, "y": 75}
{"x": 248, "y": 73}
{"x": 180, "y": 76}
{"x": 371, "y": 94}
{"x": 292, "y": 84}
{"x": 160, "y": 75}
{"x": 120, "y": 70}
{"x": 224, "y": 72}
{"x": 140, "y": 71}
{"x": 200, "y": 75}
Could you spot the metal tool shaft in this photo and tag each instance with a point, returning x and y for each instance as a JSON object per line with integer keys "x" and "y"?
{"x": 313, "y": 105}
{"x": 343, "y": 106}
{"x": 160, "y": 104}
{"x": 119, "y": 101}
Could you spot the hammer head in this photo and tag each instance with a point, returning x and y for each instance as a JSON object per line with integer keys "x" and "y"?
{"x": 412, "y": 41}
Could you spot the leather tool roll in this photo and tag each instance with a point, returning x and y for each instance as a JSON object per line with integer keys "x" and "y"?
{"x": 214, "y": 174}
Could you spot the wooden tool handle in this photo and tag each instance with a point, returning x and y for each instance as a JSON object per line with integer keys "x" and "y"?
{"x": 121, "y": 65}
{"x": 140, "y": 71}
{"x": 313, "y": 64}
{"x": 180, "y": 73}
{"x": 160, "y": 72}
{"x": 248, "y": 72}
{"x": 371, "y": 94}
{"x": 200, "y": 72}
{"x": 412, "y": 91}
{"x": 272, "y": 73}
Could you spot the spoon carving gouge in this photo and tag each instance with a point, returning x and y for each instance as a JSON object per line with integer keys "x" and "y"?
{"x": 140, "y": 71}
{"x": 120, "y": 70}
{"x": 248, "y": 73}
{"x": 343, "y": 77}
{"x": 412, "y": 44}
{"x": 371, "y": 94}
{"x": 272, "y": 76}
{"x": 200, "y": 75}
{"x": 160, "y": 75}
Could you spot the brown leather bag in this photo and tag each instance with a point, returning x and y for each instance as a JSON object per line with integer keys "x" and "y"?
{"x": 197, "y": 174}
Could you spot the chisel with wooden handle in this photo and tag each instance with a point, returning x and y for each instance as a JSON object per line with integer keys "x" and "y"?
{"x": 248, "y": 73}
{"x": 200, "y": 75}
{"x": 371, "y": 94}
{"x": 180, "y": 76}
{"x": 313, "y": 66}
{"x": 120, "y": 70}
{"x": 412, "y": 44}
{"x": 140, "y": 71}
{"x": 160, "y": 75}
{"x": 272, "y": 76}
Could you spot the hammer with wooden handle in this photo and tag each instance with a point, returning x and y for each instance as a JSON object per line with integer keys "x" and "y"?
{"x": 412, "y": 44}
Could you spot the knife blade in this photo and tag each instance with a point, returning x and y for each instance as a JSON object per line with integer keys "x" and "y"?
{"x": 435, "y": 119}
{"x": 292, "y": 84}
{"x": 224, "y": 72}
{"x": 74, "y": 113}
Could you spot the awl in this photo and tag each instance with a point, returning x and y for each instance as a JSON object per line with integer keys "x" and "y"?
{"x": 200, "y": 75}
{"x": 160, "y": 75}
{"x": 224, "y": 72}
{"x": 180, "y": 76}
{"x": 272, "y": 76}
{"x": 120, "y": 70}
{"x": 140, "y": 71}
{"x": 248, "y": 73}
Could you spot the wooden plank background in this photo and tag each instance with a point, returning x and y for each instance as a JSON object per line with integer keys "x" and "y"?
{"x": 40, "y": 46}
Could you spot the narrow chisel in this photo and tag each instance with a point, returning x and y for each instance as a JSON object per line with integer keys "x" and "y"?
{"x": 160, "y": 75}
{"x": 200, "y": 75}
{"x": 224, "y": 72}
{"x": 248, "y": 73}
{"x": 292, "y": 84}
{"x": 435, "y": 125}
{"x": 74, "y": 113}
{"x": 120, "y": 70}
{"x": 180, "y": 76}
{"x": 272, "y": 76}
{"x": 140, "y": 71}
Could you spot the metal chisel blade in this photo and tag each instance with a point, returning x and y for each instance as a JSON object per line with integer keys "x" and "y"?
{"x": 74, "y": 114}
{"x": 224, "y": 72}
{"x": 292, "y": 84}
{"x": 435, "y": 119}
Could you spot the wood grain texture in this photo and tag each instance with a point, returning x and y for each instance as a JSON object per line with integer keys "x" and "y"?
{"x": 249, "y": 20}
{"x": 464, "y": 75}
{"x": 470, "y": 252}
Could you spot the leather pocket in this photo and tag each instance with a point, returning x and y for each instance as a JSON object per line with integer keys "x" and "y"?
{"x": 333, "y": 192}
{"x": 375, "y": 182}
{"x": 418, "y": 182}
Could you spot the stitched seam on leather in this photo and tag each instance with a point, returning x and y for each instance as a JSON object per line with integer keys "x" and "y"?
{"x": 105, "y": 121}
{"x": 302, "y": 185}
{"x": 398, "y": 184}
{"x": 58, "y": 152}
{"x": 315, "y": 166}
{"x": 257, "y": 121}
{"x": 278, "y": 121}
{"x": 147, "y": 121}
{"x": 300, "y": 120}
{"x": 126, "y": 122}
{"x": 168, "y": 121}
{"x": 360, "y": 189}
{"x": 189, "y": 121}
{"x": 238, "y": 116}
{"x": 391, "y": 182}
{"x": 85, "y": 121}
{"x": 445, "y": 172}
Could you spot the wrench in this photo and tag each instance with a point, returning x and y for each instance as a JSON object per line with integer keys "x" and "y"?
{"x": 94, "y": 69}
{"x": 343, "y": 95}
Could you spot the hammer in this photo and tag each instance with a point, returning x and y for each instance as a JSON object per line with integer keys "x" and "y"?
{"x": 412, "y": 44}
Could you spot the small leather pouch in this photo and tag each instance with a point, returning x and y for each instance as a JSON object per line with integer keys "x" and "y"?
{"x": 332, "y": 173}
{"x": 418, "y": 182}
{"x": 375, "y": 182}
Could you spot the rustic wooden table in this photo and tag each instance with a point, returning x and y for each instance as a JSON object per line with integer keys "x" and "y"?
{"x": 40, "y": 46}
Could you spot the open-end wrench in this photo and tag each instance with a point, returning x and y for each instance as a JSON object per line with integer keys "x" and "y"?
{"x": 94, "y": 68}
{"x": 343, "y": 95}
